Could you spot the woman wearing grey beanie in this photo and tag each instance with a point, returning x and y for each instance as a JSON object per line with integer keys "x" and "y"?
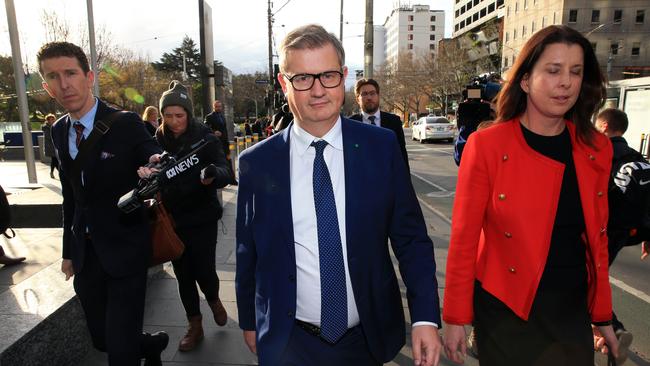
{"x": 191, "y": 198}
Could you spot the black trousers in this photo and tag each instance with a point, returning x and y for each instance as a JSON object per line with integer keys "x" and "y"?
{"x": 54, "y": 164}
{"x": 197, "y": 265}
{"x": 306, "y": 349}
{"x": 557, "y": 332}
{"x": 114, "y": 309}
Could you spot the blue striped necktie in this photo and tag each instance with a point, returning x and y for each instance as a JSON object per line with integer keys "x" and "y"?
{"x": 334, "y": 308}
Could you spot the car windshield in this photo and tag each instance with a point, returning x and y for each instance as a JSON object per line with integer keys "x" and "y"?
{"x": 432, "y": 120}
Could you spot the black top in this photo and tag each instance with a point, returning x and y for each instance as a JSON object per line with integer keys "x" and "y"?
{"x": 566, "y": 263}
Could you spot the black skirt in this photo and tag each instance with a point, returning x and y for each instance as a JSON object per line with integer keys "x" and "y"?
{"x": 557, "y": 332}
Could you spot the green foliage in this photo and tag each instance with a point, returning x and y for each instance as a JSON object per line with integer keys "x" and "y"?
{"x": 173, "y": 62}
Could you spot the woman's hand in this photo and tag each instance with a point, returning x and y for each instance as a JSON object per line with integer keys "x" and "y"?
{"x": 454, "y": 341}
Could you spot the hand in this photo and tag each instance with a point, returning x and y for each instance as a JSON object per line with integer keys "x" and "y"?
{"x": 249, "y": 339}
{"x": 645, "y": 249}
{"x": 66, "y": 268}
{"x": 426, "y": 345}
{"x": 154, "y": 158}
{"x": 605, "y": 340}
{"x": 217, "y": 133}
{"x": 145, "y": 172}
{"x": 455, "y": 343}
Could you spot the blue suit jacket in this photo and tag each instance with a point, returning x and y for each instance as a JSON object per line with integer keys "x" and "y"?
{"x": 380, "y": 204}
{"x": 122, "y": 241}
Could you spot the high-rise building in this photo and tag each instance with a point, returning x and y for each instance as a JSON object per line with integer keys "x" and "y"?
{"x": 618, "y": 30}
{"x": 415, "y": 29}
{"x": 471, "y": 14}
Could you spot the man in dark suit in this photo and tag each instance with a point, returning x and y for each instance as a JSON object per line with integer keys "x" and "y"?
{"x": 367, "y": 94}
{"x": 217, "y": 122}
{"x": 107, "y": 251}
{"x": 316, "y": 205}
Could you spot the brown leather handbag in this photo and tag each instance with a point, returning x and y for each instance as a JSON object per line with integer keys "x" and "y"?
{"x": 165, "y": 243}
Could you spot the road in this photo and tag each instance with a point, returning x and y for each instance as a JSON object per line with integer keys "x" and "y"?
{"x": 434, "y": 176}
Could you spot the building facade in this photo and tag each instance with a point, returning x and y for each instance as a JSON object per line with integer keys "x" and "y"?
{"x": 618, "y": 30}
{"x": 472, "y": 14}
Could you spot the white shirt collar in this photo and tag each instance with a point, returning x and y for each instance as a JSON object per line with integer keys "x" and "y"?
{"x": 303, "y": 139}
{"x": 376, "y": 114}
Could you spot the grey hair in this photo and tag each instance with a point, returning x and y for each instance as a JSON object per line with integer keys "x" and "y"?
{"x": 309, "y": 36}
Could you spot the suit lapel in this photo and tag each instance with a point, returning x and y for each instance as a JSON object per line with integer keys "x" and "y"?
{"x": 280, "y": 185}
{"x": 353, "y": 159}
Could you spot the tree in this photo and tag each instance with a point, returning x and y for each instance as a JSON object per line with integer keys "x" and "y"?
{"x": 245, "y": 91}
{"x": 173, "y": 62}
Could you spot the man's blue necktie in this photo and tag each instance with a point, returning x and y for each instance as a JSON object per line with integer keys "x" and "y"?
{"x": 334, "y": 308}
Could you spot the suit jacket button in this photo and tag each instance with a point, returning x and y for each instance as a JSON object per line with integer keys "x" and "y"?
{"x": 292, "y": 278}
{"x": 512, "y": 270}
{"x": 290, "y": 314}
{"x": 508, "y": 235}
{"x": 599, "y": 194}
{"x": 591, "y": 157}
{"x": 505, "y": 157}
{"x": 502, "y": 196}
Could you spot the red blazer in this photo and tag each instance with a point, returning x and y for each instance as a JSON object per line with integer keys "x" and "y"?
{"x": 503, "y": 215}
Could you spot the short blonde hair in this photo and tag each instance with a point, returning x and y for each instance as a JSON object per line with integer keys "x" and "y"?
{"x": 148, "y": 112}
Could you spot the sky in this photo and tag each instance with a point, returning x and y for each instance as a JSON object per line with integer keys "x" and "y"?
{"x": 240, "y": 31}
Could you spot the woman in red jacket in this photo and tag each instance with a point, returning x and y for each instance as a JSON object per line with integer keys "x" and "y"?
{"x": 527, "y": 261}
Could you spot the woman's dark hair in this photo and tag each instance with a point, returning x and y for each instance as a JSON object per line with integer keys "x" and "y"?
{"x": 511, "y": 101}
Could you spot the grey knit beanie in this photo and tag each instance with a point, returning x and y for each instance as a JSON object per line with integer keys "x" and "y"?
{"x": 176, "y": 95}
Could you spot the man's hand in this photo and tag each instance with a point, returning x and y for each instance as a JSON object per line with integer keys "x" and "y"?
{"x": 455, "y": 344}
{"x": 154, "y": 158}
{"x": 66, "y": 268}
{"x": 426, "y": 345}
{"x": 217, "y": 133}
{"x": 605, "y": 340}
{"x": 645, "y": 249}
{"x": 249, "y": 339}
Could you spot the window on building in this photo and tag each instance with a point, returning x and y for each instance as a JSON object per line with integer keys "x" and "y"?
{"x": 499, "y": 2}
{"x": 525, "y": 4}
{"x": 468, "y": 20}
{"x": 483, "y": 12}
{"x": 432, "y": 47}
{"x": 514, "y": 34}
{"x": 476, "y": 2}
{"x": 456, "y": 28}
{"x": 457, "y": 13}
{"x": 410, "y": 37}
{"x": 433, "y": 28}
{"x": 613, "y": 48}
{"x": 640, "y": 16}
{"x": 505, "y": 62}
{"x": 469, "y": 5}
{"x": 432, "y": 37}
{"x": 516, "y": 7}
{"x": 410, "y": 46}
{"x": 475, "y": 17}
{"x": 514, "y": 58}
{"x": 457, "y": 1}
{"x": 507, "y": 36}
{"x": 593, "y": 46}
{"x": 618, "y": 15}
{"x": 532, "y": 27}
{"x": 523, "y": 31}
{"x": 491, "y": 8}
{"x": 636, "y": 49}
{"x": 433, "y": 18}
{"x": 462, "y": 24}
{"x": 543, "y": 22}
{"x": 462, "y": 9}
{"x": 410, "y": 27}
{"x": 507, "y": 11}
{"x": 554, "y": 16}
{"x": 410, "y": 18}
{"x": 573, "y": 15}
{"x": 595, "y": 16}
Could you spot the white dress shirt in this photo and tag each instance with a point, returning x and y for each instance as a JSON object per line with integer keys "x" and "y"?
{"x": 88, "y": 121}
{"x": 305, "y": 232}
{"x": 377, "y": 115}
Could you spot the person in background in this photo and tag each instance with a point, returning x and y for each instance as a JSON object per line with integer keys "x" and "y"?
{"x": 527, "y": 259}
{"x": 191, "y": 198}
{"x": 49, "y": 146}
{"x": 150, "y": 119}
{"x": 217, "y": 123}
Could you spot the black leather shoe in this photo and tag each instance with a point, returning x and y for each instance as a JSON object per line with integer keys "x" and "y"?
{"x": 152, "y": 346}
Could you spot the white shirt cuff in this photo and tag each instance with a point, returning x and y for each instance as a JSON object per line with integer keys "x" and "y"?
{"x": 418, "y": 324}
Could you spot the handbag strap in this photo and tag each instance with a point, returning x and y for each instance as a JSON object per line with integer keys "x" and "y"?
{"x": 100, "y": 128}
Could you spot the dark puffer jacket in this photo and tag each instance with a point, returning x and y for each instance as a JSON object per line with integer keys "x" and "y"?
{"x": 189, "y": 201}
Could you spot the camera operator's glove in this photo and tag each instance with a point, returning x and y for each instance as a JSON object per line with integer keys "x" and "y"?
{"x": 208, "y": 172}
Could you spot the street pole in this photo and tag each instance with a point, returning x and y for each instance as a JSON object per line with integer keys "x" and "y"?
{"x": 341, "y": 29}
{"x": 93, "y": 48}
{"x": 368, "y": 42}
{"x": 271, "y": 92}
{"x": 21, "y": 91}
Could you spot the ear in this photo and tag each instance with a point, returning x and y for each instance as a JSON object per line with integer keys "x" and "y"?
{"x": 524, "y": 83}
{"x": 91, "y": 78}
{"x": 283, "y": 82}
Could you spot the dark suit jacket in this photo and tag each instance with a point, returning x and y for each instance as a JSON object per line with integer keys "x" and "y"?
{"x": 393, "y": 123}
{"x": 121, "y": 241}
{"x": 217, "y": 122}
{"x": 380, "y": 204}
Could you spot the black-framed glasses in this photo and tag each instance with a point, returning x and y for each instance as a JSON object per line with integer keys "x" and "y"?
{"x": 328, "y": 79}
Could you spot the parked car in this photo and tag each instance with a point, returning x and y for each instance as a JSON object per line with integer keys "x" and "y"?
{"x": 433, "y": 128}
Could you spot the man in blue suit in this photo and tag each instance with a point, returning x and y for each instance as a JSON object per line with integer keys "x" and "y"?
{"x": 106, "y": 250}
{"x": 316, "y": 206}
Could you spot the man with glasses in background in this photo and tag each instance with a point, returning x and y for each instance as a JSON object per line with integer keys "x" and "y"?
{"x": 367, "y": 94}
{"x": 321, "y": 290}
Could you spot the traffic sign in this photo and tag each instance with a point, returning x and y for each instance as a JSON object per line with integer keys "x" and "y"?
{"x": 261, "y": 81}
